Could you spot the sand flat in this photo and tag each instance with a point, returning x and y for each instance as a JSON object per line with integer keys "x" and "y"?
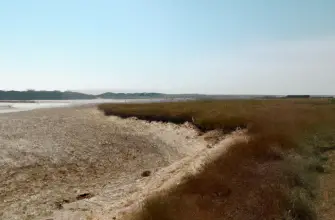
{"x": 51, "y": 157}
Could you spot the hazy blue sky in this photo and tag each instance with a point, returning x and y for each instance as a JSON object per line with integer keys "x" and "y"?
{"x": 174, "y": 46}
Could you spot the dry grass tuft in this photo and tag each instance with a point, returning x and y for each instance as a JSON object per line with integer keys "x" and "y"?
{"x": 273, "y": 176}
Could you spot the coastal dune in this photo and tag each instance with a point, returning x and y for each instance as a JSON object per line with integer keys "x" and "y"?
{"x": 76, "y": 163}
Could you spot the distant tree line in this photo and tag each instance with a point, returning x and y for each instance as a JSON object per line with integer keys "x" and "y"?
{"x": 298, "y": 96}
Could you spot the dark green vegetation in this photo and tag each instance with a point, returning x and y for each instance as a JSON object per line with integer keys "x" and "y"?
{"x": 272, "y": 176}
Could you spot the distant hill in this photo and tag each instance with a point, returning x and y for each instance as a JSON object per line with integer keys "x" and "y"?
{"x": 69, "y": 95}
{"x": 42, "y": 95}
{"x": 111, "y": 95}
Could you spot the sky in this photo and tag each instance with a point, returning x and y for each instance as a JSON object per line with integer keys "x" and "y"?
{"x": 174, "y": 46}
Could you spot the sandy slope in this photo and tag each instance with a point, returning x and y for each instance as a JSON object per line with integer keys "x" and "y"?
{"x": 49, "y": 157}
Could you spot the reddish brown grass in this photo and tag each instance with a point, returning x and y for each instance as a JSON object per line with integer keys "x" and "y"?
{"x": 254, "y": 180}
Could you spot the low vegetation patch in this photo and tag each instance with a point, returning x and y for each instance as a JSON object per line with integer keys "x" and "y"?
{"x": 272, "y": 176}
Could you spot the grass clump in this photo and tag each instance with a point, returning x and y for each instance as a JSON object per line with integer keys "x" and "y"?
{"x": 272, "y": 176}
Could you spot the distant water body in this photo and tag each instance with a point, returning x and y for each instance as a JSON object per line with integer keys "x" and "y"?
{"x": 6, "y": 107}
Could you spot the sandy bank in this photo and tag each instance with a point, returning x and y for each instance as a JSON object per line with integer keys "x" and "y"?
{"x": 49, "y": 157}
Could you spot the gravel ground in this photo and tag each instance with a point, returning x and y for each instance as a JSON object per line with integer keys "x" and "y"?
{"x": 64, "y": 162}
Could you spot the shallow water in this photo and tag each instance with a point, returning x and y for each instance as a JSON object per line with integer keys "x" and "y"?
{"x": 16, "y": 107}
{"x": 6, "y": 107}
